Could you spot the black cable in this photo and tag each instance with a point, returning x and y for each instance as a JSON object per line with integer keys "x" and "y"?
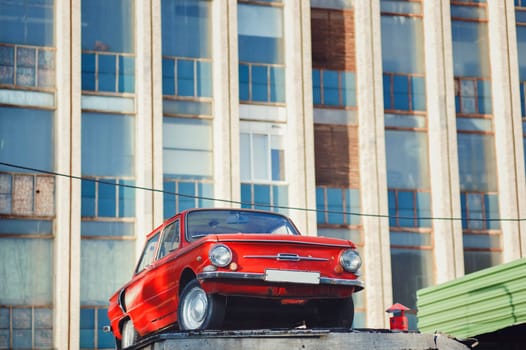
{"x": 82, "y": 178}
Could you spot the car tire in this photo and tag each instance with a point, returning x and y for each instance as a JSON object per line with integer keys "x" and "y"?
{"x": 198, "y": 310}
{"x": 129, "y": 334}
{"x": 334, "y": 314}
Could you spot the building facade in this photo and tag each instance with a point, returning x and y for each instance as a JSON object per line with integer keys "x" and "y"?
{"x": 398, "y": 124}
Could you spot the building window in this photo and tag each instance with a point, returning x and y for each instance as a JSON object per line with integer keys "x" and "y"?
{"x": 404, "y": 92}
{"x": 187, "y": 164}
{"x": 409, "y": 208}
{"x": 334, "y": 88}
{"x": 27, "y": 213}
{"x": 472, "y": 96}
{"x": 261, "y": 56}
{"x": 108, "y": 53}
{"x": 263, "y": 166}
{"x": 338, "y": 206}
{"x": 92, "y": 320}
{"x": 108, "y": 217}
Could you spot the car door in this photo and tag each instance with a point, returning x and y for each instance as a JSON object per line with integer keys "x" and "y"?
{"x": 167, "y": 272}
{"x": 141, "y": 291}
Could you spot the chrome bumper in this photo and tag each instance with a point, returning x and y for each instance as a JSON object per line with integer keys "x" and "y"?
{"x": 358, "y": 284}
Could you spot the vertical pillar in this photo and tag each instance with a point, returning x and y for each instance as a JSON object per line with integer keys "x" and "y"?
{"x": 447, "y": 234}
{"x": 156, "y": 110}
{"x": 373, "y": 175}
{"x": 226, "y": 102}
{"x": 300, "y": 127}
{"x": 508, "y": 127}
{"x": 144, "y": 121}
{"x": 67, "y": 127}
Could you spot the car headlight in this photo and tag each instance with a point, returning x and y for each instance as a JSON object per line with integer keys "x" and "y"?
{"x": 350, "y": 260}
{"x": 220, "y": 255}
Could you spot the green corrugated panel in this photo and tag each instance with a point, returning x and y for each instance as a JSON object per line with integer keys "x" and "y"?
{"x": 478, "y": 303}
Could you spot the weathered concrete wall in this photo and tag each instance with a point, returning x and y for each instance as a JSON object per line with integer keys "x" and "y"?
{"x": 302, "y": 340}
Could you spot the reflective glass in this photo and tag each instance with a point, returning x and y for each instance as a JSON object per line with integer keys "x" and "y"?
{"x": 470, "y": 49}
{"x": 186, "y": 28}
{"x": 204, "y": 79}
{"x": 402, "y": 44}
{"x": 477, "y": 162}
{"x": 185, "y": 78}
{"x": 88, "y": 72}
{"x": 28, "y": 22}
{"x": 349, "y": 89}
{"x": 320, "y": 205}
{"x": 418, "y": 93}
{"x": 187, "y": 190}
{"x": 259, "y": 84}
{"x": 244, "y": 92}
{"x": 107, "y": 73}
{"x": 88, "y": 198}
{"x": 107, "y": 144}
{"x": 26, "y": 138}
{"x": 28, "y": 266}
{"x": 187, "y": 147}
{"x": 262, "y": 196}
{"x": 260, "y": 33}
{"x": 330, "y": 88}
{"x": 105, "y": 265}
{"x": 407, "y": 159}
{"x": 260, "y": 153}
{"x": 126, "y": 74}
{"x": 107, "y": 200}
{"x": 277, "y": 84}
{"x": 401, "y": 92}
{"x": 411, "y": 270}
{"x": 108, "y": 25}
{"x": 316, "y": 86}
{"x": 484, "y": 97}
{"x": 352, "y": 205}
{"x": 479, "y": 260}
{"x": 168, "y": 76}
{"x": 406, "y": 208}
{"x": 334, "y": 206}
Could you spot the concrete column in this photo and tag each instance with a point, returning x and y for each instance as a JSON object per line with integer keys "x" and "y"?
{"x": 66, "y": 249}
{"x": 156, "y": 111}
{"x": 226, "y": 102}
{"x": 144, "y": 78}
{"x": 447, "y": 234}
{"x": 300, "y": 128}
{"x": 373, "y": 175}
{"x": 508, "y": 126}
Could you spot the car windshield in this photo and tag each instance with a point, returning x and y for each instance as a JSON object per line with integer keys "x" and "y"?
{"x": 205, "y": 222}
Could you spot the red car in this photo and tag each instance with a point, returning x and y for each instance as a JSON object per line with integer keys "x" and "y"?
{"x": 235, "y": 268}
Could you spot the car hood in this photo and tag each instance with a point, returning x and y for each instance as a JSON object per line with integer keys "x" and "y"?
{"x": 272, "y": 238}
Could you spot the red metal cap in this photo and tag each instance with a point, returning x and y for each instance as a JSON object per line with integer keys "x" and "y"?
{"x": 397, "y": 307}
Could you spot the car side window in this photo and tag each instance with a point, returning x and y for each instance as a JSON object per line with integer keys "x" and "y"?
{"x": 148, "y": 253}
{"x": 170, "y": 240}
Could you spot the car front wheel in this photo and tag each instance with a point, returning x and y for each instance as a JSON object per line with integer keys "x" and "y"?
{"x": 198, "y": 310}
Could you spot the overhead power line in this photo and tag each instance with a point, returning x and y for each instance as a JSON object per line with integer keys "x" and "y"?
{"x": 149, "y": 189}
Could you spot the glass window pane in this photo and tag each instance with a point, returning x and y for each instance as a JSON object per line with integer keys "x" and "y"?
{"x": 262, "y": 197}
{"x": 261, "y": 153}
{"x": 349, "y": 89}
{"x": 470, "y": 49}
{"x": 105, "y": 265}
{"x": 244, "y": 94}
{"x": 107, "y": 73}
{"x": 126, "y": 199}
{"x": 168, "y": 76}
{"x": 277, "y": 84}
{"x": 245, "y": 157}
{"x": 316, "y": 86}
{"x": 406, "y": 208}
{"x": 402, "y": 44}
{"x": 126, "y": 74}
{"x": 330, "y": 88}
{"x": 186, "y": 26}
{"x": 401, "y": 92}
{"x": 260, "y": 83}
{"x": 477, "y": 162}
{"x": 26, "y": 138}
{"x": 88, "y": 198}
{"x": 418, "y": 91}
{"x": 187, "y": 200}
{"x": 107, "y": 198}
{"x": 107, "y": 144}
{"x": 475, "y": 261}
{"x": 335, "y": 206}
{"x": 108, "y": 25}
{"x": 320, "y": 205}
{"x": 28, "y": 266}
{"x": 407, "y": 159}
{"x": 185, "y": 78}
{"x": 27, "y": 22}
{"x": 246, "y": 196}
{"x": 169, "y": 199}
{"x": 260, "y": 30}
{"x": 204, "y": 79}
{"x": 88, "y": 72}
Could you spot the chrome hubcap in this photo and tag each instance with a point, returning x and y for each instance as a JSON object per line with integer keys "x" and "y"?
{"x": 194, "y": 309}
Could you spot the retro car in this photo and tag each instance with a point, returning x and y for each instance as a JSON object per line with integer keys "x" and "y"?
{"x": 231, "y": 269}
